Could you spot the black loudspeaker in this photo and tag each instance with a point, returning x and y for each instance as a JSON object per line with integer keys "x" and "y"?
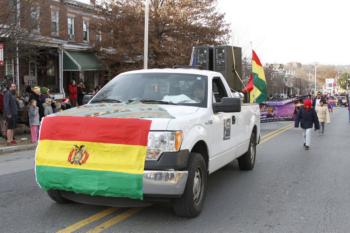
{"x": 228, "y": 61}
{"x": 202, "y": 57}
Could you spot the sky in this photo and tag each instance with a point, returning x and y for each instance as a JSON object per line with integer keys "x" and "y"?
{"x": 306, "y": 31}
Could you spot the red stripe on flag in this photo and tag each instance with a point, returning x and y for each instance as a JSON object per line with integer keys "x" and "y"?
{"x": 256, "y": 58}
{"x": 250, "y": 85}
{"x": 96, "y": 129}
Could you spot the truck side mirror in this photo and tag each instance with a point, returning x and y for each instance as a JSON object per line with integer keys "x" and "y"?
{"x": 227, "y": 104}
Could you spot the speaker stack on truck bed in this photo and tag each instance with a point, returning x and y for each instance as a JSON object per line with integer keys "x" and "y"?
{"x": 225, "y": 59}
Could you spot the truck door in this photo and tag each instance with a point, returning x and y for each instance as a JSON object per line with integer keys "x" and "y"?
{"x": 223, "y": 129}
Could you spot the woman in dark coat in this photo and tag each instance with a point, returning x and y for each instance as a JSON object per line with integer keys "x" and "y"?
{"x": 307, "y": 118}
{"x": 81, "y": 92}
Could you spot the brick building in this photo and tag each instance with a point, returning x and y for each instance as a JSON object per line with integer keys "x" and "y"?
{"x": 56, "y": 41}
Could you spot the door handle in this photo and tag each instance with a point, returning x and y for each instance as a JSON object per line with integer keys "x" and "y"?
{"x": 233, "y": 120}
{"x": 209, "y": 122}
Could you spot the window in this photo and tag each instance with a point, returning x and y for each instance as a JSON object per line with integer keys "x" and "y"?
{"x": 219, "y": 91}
{"x": 111, "y": 37}
{"x": 12, "y": 8}
{"x": 85, "y": 30}
{"x": 34, "y": 15}
{"x": 99, "y": 36}
{"x": 71, "y": 28}
{"x": 157, "y": 88}
{"x": 9, "y": 67}
{"x": 54, "y": 22}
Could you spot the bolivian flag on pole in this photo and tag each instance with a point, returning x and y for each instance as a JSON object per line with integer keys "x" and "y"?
{"x": 259, "y": 92}
{"x": 92, "y": 155}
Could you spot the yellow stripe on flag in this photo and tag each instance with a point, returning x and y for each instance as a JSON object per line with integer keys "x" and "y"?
{"x": 101, "y": 156}
{"x": 259, "y": 70}
{"x": 254, "y": 94}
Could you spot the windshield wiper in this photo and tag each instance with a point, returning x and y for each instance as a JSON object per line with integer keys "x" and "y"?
{"x": 106, "y": 101}
{"x": 149, "y": 101}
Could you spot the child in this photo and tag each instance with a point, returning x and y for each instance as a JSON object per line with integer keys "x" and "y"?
{"x": 47, "y": 107}
{"x": 307, "y": 117}
{"x": 33, "y": 114}
{"x": 323, "y": 114}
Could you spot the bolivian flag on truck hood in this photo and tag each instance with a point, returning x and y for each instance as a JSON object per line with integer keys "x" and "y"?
{"x": 92, "y": 155}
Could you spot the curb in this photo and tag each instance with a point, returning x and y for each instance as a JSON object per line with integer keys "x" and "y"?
{"x": 11, "y": 149}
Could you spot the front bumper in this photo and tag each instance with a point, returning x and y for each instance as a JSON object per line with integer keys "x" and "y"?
{"x": 163, "y": 179}
{"x": 164, "y": 183}
{"x": 157, "y": 186}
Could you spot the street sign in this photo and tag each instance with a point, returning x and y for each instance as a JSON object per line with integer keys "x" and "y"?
{"x": 1, "y": 54}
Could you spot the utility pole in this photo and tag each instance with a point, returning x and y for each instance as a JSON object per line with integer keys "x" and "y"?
{"x": 18, "y": 25}
{"x": 315, "y": 79}
{"x": 145, "y": 53}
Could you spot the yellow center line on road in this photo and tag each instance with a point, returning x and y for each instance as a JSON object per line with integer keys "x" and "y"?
{"x": 87, "y": 221}
{"x": 115, "y": 220}
{"x": 275, "y": 133}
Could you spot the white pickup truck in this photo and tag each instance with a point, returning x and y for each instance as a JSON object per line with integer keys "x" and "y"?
{"x": 198, "y": 126}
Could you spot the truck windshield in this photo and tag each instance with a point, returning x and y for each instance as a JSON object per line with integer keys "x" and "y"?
{"x": 156, "y": 88}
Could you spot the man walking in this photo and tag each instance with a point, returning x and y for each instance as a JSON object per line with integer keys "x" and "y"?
{"x": 307, "y": 117}
{"x": 316, "y": 101}
{"x": 10, "y": 112}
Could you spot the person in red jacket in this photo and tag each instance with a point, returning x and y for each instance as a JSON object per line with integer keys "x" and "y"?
{"x": 307, "y": 118}
{"x": 73, "y": 93}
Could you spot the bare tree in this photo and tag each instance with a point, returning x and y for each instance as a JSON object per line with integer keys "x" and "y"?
{"x": 175, "y": 27}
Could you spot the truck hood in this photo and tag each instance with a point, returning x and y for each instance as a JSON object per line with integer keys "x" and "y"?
{"x": 159, "y": 114}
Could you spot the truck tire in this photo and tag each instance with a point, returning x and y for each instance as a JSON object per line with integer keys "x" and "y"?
{"x": 56, "y": 196}
{"x": 190, "y": 204}
{"x": 247, "y": 161}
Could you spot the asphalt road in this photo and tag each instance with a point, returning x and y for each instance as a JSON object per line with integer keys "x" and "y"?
{"x": 290, "y": 190}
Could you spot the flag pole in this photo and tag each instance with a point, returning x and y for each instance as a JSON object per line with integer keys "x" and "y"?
{"x": 251, "y": 71}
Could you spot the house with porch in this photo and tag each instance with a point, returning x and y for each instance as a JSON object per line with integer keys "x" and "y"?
{"x": 49, "y": 43}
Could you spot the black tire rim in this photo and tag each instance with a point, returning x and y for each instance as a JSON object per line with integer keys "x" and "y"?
{"x": 252, "y": 151}
{"x": 198, "y": 186}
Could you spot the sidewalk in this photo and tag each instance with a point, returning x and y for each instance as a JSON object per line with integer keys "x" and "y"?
{"x": 23, "y": 140}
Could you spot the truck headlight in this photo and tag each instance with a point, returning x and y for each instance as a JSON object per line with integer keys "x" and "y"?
{"x": 163, "y": 141}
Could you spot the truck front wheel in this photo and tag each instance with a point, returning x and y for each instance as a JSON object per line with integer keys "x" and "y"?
{"x": 191, "y": 202}
{"x": 56, "y": 196}
{"x": 247, "y": 161}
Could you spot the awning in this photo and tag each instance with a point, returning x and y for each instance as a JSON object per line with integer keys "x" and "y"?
{"x": 81, "y": 61}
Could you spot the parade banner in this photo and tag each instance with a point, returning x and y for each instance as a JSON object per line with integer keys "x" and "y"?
{"x": 92, "y": 155}
{"x": 280, "y": 110}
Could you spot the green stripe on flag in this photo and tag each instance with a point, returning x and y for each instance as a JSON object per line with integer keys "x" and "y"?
{"x": 91, "y": 182}
{"x": 262, "y": 87}
{"x": 261, "y": 98}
